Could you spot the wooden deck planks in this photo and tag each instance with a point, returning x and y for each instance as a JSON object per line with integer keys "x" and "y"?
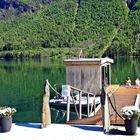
{"x": 123, "y": 97}
{"x": 90, "y": 120}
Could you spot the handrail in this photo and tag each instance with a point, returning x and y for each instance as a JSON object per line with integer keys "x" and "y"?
{"x": 90, "y": 107}
{"x": 81, "y": 90}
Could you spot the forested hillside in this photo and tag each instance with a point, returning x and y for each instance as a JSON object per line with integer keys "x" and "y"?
{"x": 99, "y": 27}
{"x": 127, "y": 41}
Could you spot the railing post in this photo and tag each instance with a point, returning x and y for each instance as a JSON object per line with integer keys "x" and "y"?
{"x": 68, "y": 108}
{"x": 66, "y": 89}
{"x": 94, "y": 105}
{"x": 80, "y": 105}
{"x": 87, "y": 105}
{"x": 46, "y": 115}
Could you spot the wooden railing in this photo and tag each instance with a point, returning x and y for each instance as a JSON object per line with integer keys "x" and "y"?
{"x": 91, "y": 109}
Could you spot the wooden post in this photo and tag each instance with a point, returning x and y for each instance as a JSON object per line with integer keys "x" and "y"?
{"x": 46, "y": 116}
{"x": 109, "y": 74}
{"x": 106, "y": 116}
{"x": 105, "y": 110}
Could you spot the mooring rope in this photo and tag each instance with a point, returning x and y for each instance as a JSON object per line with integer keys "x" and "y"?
{"x": 54, "y": 89}
{"x": 114, "y": 108}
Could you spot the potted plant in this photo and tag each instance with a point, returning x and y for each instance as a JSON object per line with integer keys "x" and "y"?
{"x": 6, "y": 118}
{"x": 130, "y": 115}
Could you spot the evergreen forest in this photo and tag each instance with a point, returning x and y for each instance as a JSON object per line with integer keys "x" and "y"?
{"x": 60, "y": 27}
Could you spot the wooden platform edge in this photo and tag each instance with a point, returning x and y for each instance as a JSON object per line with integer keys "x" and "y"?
{"x": 89, "y": 120}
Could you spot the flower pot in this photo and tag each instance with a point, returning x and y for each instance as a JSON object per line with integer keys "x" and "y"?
{"x": 131, "y": 126}
{"x": 5, "y": 123}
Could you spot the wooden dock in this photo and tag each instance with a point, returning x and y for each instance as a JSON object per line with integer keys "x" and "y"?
{"x": 123, "y": 96}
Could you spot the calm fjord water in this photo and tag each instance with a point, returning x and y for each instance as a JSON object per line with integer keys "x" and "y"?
{"x": 22, "y": 84}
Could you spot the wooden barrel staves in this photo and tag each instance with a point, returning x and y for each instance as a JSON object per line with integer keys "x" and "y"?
{"x": 46, "y": 115}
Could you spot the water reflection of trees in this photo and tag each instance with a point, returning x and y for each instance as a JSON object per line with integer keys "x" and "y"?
{"x": 124, "y": 67}
{"x": 22, "y": 85}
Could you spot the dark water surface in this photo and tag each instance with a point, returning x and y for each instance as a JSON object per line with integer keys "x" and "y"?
{"x": 22, "y": 84}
